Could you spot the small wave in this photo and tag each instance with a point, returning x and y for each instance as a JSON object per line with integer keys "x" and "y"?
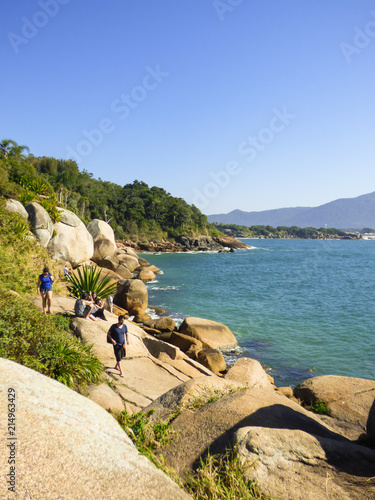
{"x": 152, "y": 313}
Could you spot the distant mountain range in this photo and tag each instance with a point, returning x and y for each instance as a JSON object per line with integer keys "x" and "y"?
{"x": 345, "y": 213}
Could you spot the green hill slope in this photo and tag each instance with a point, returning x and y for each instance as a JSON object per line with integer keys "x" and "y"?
{"x": 134, "y": 210}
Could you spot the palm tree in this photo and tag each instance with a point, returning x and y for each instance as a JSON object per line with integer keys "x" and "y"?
{"x": 9, "y": 147}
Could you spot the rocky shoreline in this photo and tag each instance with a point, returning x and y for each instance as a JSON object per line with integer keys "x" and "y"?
{"x": 178, "y": 373}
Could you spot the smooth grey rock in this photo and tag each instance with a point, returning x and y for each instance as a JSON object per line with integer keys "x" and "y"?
{"x": 16, "y": 206}
{"x": 71, "y": 243}
{"x": 70, "y": 448}
{"x": 41, "y": 223}
{"x": 104, "y": 239}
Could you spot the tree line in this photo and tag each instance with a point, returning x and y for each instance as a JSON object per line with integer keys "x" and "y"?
{"x": 279, "y": 232}
{"x": 134, "y": 210}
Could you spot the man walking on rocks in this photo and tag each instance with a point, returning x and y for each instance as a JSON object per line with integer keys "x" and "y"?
{"x": 116, "y": 335}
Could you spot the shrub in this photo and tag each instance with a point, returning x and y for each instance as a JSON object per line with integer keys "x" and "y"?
{"x": 38, "y": 342}
{"x": 222, "y": 477}
{"x": 319, "y": 407}
{"x": 88, "y": 280}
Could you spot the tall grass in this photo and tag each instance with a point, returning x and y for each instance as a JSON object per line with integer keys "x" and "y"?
{"x": 22, "y": 258}
{"x": 218, "y": 477}
{"x": 37, "y": 341}
{"x": 41, "y": 342}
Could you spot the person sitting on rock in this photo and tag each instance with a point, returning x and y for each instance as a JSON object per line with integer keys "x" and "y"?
{"x": 84, "y": 306}
{"x": 98, "y": 311}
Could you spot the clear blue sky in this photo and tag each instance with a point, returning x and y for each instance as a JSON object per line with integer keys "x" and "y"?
{"x": 252, "y": 104}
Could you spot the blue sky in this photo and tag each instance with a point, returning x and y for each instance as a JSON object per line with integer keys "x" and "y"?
{"x": 253, "y": 104}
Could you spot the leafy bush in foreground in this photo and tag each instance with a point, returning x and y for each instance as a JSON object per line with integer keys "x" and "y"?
{"x": 35, "y": 340}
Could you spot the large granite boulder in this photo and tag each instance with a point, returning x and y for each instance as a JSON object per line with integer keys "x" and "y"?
{"x": 146, "y": 275}
{"x": 370, "y": 425}
{"x": 104, "y": 239}
{"x": 210, "y": 333}
{"x": 70, "y": 448}
{"x": 163, "y": 324}
{"x": 110, "y": 263}
{"x": 41, "y": 223}
{"x": 212, "y": 359}
{"x": 132, "y": 295}
{"x": 297, "y": 465}
{"x": 69, "y": 218}
{"x": 129, "y": 261}
{"x": 16, "y": 207}
{"x": 184, "y": 342}
{"x": 126, "y": 250}
{"x": 124, "y": 272}
{"x": 213, "y": 426}
{"x": 72, "y": 242}
{"x": 250, "y": 373}
{"x": 348, "y": 399}
{"x": 191, "y": 394}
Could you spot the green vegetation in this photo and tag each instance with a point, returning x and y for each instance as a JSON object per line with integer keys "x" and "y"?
{"x": 147, "y": 435}
{"x": 222, "y": 477}
{"x": 88, "y": 280}
{"x": 219, "y": 477}
{"x": 280, "y": 232}
{"x": 134, "y": 211}
{"x": 41, "y": 342}
{"x": 209, "y": 396}
{"x": 38, "y": 342}
{"x": 319, "y": 407}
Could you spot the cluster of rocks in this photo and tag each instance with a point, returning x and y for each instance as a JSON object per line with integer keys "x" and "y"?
{"x": 189, "y": 244}
{"x": 291, "y": 452}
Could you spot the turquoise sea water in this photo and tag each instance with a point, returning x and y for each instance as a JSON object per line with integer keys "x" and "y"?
{"x": 301, "y": 307}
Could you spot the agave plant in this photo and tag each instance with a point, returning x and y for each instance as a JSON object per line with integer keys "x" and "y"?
{"x": 88, "y": 279}
{"x": 20, "y": 227}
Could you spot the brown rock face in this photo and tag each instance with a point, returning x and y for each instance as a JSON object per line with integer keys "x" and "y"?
{"x": 184, "y": 342}
{"x": 124, "y": 272}
{"x": 132, "y": 295}
{"x": 212, "y": 359}
{"x": 213, "y": 426}
{"x": 250, "y": 373}
{"x": 146, "y": 275}
{"x": 210, "y": 333}
{"x": 164, "y": 324}
{"x": 76, "y": 447}
{"x": 348, "y": 399}
{"x": 297, "y": 465}
{"x": 129, "y": 261}
{"x": 110, "y": 263}
{"x": 370, "y": 425}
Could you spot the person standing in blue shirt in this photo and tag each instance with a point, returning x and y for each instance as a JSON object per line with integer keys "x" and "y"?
{"x": 44, "y": 289}
{"x": 116, "y": 335}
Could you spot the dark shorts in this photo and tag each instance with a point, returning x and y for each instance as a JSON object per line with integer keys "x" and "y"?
{"x": 120, "y": 352}
{"x": 45, "y": 290}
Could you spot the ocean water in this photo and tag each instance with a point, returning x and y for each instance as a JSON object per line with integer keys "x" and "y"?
{"x": 300, "y": 307}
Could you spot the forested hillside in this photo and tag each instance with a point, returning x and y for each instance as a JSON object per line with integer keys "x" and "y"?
{"x": 238, "y": 231}
{"x": 134, "y": 210}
